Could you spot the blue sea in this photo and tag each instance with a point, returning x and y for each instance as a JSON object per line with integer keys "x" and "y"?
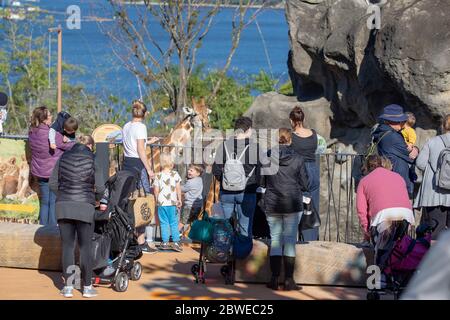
{"x": 104, "y": 74}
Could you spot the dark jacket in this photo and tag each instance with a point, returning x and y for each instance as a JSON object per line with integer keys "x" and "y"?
{"x": 251, "y": 160}
{"x": 392, "y": 145}
{"x": 58, "y": 125}
{"x": 74, "y": 182}
{"x": 284, "y": 190}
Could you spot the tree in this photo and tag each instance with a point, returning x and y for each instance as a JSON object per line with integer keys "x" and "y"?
{"x": 24, "y": 77}
{"x": 186, "y": 23}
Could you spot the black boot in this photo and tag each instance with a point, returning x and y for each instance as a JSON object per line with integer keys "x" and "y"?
{"x": 289, "y": 282}
{"x": 275, "y": 267}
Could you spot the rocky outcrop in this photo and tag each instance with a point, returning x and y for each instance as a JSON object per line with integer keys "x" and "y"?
{"x": 358, "y": 70}
{"x": 271, "y": 111}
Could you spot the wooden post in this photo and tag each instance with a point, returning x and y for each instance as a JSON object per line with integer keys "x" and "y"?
{"x": 59, "y": 68}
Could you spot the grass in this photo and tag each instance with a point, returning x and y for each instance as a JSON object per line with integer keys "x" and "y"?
{"x": 12, "y": 148}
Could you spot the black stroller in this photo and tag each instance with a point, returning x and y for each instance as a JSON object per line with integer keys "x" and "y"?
{"x": 115, "y": 246}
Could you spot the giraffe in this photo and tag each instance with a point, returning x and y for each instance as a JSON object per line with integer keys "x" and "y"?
{"x": 213, "y": 195}
{"x": 180, "y": 135}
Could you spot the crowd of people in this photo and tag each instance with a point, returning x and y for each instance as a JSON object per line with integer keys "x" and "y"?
{"x": 382, "y": 196}
{"x": 70, "y": 190}
{"x": 385, "y": 197}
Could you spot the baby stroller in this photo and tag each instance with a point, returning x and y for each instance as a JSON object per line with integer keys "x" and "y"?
{"x": 217, "y": 249}
{"x": 115, "y": 247}
{"x": 399, "y": 259}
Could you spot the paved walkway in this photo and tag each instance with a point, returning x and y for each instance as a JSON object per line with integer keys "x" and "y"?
{"x": 166, "y": 275}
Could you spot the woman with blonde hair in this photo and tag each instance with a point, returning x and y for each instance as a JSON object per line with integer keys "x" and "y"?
{"x": 434, "y": 201}
{"x": 134, "y": 136}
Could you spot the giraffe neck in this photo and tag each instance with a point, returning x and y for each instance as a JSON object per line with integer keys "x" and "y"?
{"x": 179, "y": 136}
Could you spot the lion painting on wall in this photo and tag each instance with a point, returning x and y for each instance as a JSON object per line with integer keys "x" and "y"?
{"x": 14, "y": 179}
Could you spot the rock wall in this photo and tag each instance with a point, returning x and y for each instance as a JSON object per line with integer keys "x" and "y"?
{"x": 352, "y": 72}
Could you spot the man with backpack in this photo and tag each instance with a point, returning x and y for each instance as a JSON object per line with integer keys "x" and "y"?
{"x": 434, "y": 192}
{"x": 391, "y": 144}
{"x": 237, "y": 167}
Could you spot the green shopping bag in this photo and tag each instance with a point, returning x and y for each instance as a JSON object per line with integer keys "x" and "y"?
{"x": 202, "y": 230}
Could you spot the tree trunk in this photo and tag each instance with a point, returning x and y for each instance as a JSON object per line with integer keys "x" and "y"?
{"x": 182, "y": 93}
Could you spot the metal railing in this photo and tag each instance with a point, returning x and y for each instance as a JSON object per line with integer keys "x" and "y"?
{"x": 338, "y": 199}
{"x": 337, "y": 187}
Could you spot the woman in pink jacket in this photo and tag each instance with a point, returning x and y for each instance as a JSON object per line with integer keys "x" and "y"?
{"x": 382, "y": 200}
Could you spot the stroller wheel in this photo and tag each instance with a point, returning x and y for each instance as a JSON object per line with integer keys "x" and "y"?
{"x": 373, "y": 295}
{"x": 121, "y": 282}
{"x": 224, "y": 271}
{"x": 136, "y": 271}
{"x": 195, "y": 269}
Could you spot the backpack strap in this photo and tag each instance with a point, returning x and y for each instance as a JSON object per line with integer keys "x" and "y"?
{"x": 226, "y": 150}
{"x": 251, "y": 172}
{"x": 443, "y": 141}
{"x": 243, "y": 152}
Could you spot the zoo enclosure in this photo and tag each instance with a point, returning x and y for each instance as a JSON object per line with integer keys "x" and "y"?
{"x": 337, "y": 186}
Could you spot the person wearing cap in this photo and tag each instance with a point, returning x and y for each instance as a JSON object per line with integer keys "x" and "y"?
{"x": 392, "y": 145}
{"x": 3, "y": 111}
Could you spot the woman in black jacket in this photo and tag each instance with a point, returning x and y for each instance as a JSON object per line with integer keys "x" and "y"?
{"x": 283, "y": 206}
{"x": 73, "y": 181}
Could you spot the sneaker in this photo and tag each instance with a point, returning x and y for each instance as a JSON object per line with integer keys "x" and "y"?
{"x": 89, "y": 292}
{"x": 67, "y": 292}
{"x": 164, "y": 246}
{"x": 177, "y": 247}
{"x": 147, "y": 249}
{"x": 108, "y": 271}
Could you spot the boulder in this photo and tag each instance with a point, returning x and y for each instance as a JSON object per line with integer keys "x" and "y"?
{"x": 360, "y": 70}
{"x": 271, "y": 111}
{"x": 317, "y": 263}
{"x": 30, "y": 246}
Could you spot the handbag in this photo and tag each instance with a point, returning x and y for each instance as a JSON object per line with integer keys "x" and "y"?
{"x": 310, "y": 218}
{"x": 202, "y": 230}
{"x": 143, "y": 208}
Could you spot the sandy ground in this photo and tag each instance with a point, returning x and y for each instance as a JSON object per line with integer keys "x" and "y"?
{"x": 166, "y": 275}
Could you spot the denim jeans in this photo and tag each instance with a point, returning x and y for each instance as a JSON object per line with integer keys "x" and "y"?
{"x": 313, "y": 171}
{"x": 47, "y": 201}
{"x": 168, "y": 220}
{"x": 243, "y": 205}
{"x": 135, "y": 165}
{"x": 283, "y": 233}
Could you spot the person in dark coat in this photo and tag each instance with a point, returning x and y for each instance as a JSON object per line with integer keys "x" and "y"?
{"x": 73, "y": 180}
{"x": 392, "y": 145}
{"x": 283, "y": 206}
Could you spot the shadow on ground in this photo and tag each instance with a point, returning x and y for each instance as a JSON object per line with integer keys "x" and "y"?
{"x": 178, "y": 284}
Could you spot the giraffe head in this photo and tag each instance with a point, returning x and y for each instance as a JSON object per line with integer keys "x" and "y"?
{"x": 199, "y": 113}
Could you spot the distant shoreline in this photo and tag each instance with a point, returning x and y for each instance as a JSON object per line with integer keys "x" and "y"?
{"x": 206, "y": 5}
